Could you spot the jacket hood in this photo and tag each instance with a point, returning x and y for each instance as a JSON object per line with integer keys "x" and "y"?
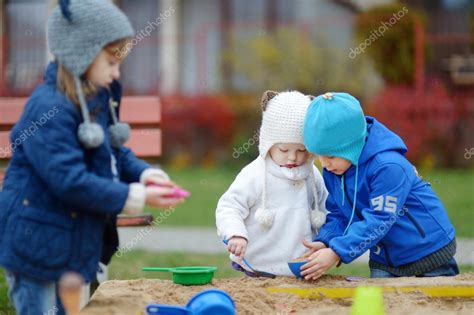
{"x": 380, "y": 139}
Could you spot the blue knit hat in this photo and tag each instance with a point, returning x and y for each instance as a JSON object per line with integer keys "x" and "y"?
{"x": 335, "y": 126}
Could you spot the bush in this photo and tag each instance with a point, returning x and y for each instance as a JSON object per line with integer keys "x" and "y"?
{"x": 471, "y": 25}
{"x": 246, "y": 107}
{"x": 290, "y": 59}
{"x": 464, "y": 128}
{"x": 196, "y": 130}
{"x": 387, "y": 34}
{"x": 426, "y": 122}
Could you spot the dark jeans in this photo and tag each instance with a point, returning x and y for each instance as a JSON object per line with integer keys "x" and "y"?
{"x": 449, "y": 269}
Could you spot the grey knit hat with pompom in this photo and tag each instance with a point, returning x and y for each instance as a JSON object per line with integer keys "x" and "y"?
{"x": 77, "y": 32}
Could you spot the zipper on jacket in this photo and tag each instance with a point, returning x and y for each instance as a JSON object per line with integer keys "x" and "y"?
{"x": 416, "y": 224}
{"x": 343, "y": 189}
{"x": 387, "y": 256}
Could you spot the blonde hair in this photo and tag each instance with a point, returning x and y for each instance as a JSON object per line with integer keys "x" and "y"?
{"x": 65, "y": 80}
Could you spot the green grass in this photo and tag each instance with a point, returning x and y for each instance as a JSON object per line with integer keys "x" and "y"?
{"x": 5, "y": 306}
{"x": 206, "y": 186}
{"x": 454, "y": 187}
{"x": 456, "y": 190}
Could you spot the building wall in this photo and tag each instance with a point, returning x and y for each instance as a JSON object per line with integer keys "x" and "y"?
{"x": 24, "y": 50}
{"x": 183, "y": 54}
{"x": 199, "y": 46}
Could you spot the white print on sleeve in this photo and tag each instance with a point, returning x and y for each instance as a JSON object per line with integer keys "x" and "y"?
{"x": 384, "y": 203}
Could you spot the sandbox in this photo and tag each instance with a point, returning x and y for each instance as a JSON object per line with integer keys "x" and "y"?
{"x": 292, "y": 296}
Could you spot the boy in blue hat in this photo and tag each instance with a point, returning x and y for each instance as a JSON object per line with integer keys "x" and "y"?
{"x": 376, "y": 199}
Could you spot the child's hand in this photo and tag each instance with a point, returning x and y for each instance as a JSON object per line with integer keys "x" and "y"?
{"x": 319, "y": 263}
{"x": 158, "y": 180}
{"x": 237, "y": 246}
{"x": 313, "y": 247}
{"x": 155, "y": 196}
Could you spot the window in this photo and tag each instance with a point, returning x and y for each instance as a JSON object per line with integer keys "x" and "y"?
{"x": 24, "y": 52}
{"x": 140, "y": 70}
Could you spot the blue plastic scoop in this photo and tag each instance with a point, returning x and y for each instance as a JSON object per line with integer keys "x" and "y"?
{"x": 204, "y": 303}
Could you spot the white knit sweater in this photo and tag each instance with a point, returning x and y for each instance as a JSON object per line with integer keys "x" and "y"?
{"x": 288, "y": 196}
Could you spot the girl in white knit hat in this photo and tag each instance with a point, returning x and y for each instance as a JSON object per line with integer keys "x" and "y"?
{"x": 276, "y": 204}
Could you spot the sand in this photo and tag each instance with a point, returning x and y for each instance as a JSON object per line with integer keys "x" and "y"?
{"x": 132, "y": 296}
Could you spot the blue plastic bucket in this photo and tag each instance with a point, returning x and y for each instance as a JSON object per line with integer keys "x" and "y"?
{"x": 211, "y": 302}
{"x": 295, "y": 267}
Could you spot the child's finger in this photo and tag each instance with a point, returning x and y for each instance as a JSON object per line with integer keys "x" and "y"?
{"x": 170, "y": 202}
{"x": 159, "y": 181}
{"x": 307, "y": 254}
{"x": 318, "y": 276}
{"x": 307, "y": 244}
{"x": 314, "y": 255}
{"x": 173, "y": 201}
{"x": 312, "y": 274}
{"x": 238, "y": 251}
{"x": 306, "y": 267}
{"x": 160, "y": 191}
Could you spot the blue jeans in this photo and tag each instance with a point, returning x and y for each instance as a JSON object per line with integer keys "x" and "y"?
{"x": 448, "y": 270}
{"x": 33, "y": 297}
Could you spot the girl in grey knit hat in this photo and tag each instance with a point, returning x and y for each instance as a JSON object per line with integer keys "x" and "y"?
{"x": 69, "y": 180}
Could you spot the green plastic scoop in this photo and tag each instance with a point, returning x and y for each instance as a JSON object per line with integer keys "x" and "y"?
{"x": 196, "y": 275}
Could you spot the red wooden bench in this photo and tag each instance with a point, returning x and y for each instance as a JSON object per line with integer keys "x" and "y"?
{"x": 143, "y": 113}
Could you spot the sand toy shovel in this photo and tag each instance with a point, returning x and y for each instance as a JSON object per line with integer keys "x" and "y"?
{"x": 197, "y": 275}
{"x": 256, "y": 272}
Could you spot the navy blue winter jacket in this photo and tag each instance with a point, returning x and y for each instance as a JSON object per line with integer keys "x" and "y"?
{"x": 58, "y": 196}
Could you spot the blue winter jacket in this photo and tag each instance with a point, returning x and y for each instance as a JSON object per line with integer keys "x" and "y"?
{"x": 58, "y": 196}
{"x": 398, "y": 216}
